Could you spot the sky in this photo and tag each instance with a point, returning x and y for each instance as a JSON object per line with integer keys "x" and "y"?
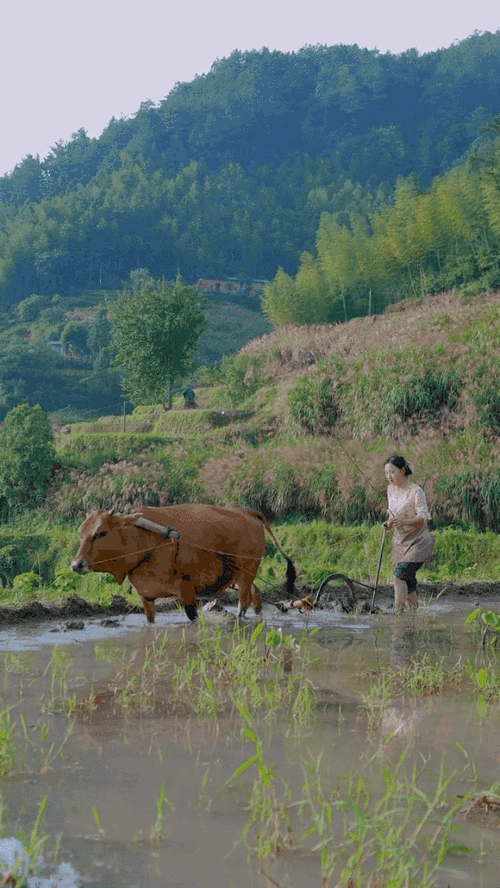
{"x": 68, "y": 64}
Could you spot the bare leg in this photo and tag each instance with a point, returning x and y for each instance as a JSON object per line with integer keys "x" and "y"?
{"x": 400, "y": 595}
{"x": 404, "y": 600}
{"x": 413, "y": 601}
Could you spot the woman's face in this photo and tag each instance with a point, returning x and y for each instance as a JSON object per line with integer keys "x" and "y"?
{"x": 395, "y": 476}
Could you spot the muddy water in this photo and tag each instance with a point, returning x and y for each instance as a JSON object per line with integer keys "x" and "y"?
{"x": 101, "y": 765}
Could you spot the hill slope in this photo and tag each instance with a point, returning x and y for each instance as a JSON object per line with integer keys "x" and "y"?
{"x": 304, "y": 418}
{"x": 300, "y": 425}
{"x": 229, "y": 174}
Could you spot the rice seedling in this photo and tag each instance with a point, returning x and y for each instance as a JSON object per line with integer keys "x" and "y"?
{"x": 422, "y": 676}
{"x": 376, "y": 700}
{"x": 8, "y": 740}
{"x": 97, "y": 819}
{"x": 138, "y": 677}
{"x": 59, "y": 664}
{"x": 156, "y": 831}
{"x": 486, "y": 682}
{"x": 389, "y": 827}
{"x": 399, "y": 837}
{"x": 268, "y": 818}
{"x": 27, "y": 851}
{"x": 49, "y": 751}
{"x": 491, "y": 622}
{"x": 253, "y": 667}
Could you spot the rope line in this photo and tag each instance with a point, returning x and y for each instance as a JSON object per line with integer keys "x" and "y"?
{"x": 217, "y": 552}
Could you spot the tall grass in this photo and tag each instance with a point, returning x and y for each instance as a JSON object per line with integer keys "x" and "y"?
{"x": 470, "y": 498}
{"x": 313, "y": 405}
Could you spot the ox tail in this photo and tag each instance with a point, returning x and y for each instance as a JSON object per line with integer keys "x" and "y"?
{"x": 291, "y": 574}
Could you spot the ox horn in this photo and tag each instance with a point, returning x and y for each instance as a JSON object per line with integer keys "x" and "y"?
{"x": 146, "y": 524}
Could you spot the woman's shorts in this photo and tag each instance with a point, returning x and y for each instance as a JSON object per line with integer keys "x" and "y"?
{"x": 407, "y": 571}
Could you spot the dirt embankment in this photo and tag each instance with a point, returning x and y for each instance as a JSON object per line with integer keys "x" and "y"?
{"x": 75, "y": 608}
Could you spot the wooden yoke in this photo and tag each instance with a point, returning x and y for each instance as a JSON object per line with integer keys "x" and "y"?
{"x": 166, "y": 532}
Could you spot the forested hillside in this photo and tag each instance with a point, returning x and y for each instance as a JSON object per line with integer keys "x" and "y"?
{"x": 298, "y": 424}
{"x": 229, "y": 174}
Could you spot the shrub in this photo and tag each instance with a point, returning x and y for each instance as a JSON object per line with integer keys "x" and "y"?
{"x": 426, "y": 395}
{"x": 26, "y": 583}
{"x": 13, "y": 561}
{"x": 239, "y": 375}
{"x": 312, "y": 404}
{"x": 75, "y": 336}
{"x": 29, "y": 309}
{"x": 487, "y": 400}
{"x": 27, "y": 454}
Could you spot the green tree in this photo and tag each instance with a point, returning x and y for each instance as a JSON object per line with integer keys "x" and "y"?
{"x": 99, "y": 339}
{"x": 155, "y": 337}
{"x": 27, "y": 454}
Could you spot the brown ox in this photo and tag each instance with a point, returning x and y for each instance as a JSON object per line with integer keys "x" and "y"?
{"x": 183, "y": 551}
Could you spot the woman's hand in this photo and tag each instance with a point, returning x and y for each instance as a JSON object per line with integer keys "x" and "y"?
{"x": 411, "y": 523}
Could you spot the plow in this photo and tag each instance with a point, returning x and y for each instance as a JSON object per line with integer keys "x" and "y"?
{"x": 345, "y": 595}
{"x": 336, "y": 589}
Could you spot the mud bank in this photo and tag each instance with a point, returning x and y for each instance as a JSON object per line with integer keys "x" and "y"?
{"x": 76, "y": 608}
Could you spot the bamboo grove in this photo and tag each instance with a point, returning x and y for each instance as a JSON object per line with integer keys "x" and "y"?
{"x": 424, "y": 241}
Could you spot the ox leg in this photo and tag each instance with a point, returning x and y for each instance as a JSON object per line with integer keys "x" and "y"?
{"x": 149, "y": 609}
{"x": 189, "y": 601}
{"x": 256, "y": 600}
{"x": 245, "y": 599}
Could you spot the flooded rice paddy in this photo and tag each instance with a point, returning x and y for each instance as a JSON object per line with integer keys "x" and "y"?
{"x": 304, "y": 750}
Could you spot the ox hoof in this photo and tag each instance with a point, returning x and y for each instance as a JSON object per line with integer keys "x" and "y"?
{"x": 191, "y": 612}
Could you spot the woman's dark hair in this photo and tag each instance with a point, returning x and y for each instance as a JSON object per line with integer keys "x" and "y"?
{"x": 400, "y": 463}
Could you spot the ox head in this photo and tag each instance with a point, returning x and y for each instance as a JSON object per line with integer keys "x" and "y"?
{"x": 114, "y": 543}
{"x": 99, "y": 543}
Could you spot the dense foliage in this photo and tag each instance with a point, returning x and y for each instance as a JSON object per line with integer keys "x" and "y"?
{"x": 230, "y": 173}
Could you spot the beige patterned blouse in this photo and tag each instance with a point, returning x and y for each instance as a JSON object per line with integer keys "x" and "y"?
{"x": 409, "y": 543}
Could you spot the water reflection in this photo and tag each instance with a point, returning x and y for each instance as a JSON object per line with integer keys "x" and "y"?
{"x": 64, "y": 877}
{"x": 116, "y": 758}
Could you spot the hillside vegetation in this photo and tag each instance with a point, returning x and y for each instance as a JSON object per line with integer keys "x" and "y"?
{"x": 82, "y": 382}
{"x": 229, "y": 174}
{"x": 299, "y": 424}
{"x": 303, "y": 416}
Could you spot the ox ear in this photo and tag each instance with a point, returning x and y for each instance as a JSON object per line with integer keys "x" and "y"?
{"x": 111, "y": 511}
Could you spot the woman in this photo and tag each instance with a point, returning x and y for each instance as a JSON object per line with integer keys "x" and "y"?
{"x": 412, "y": 543}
